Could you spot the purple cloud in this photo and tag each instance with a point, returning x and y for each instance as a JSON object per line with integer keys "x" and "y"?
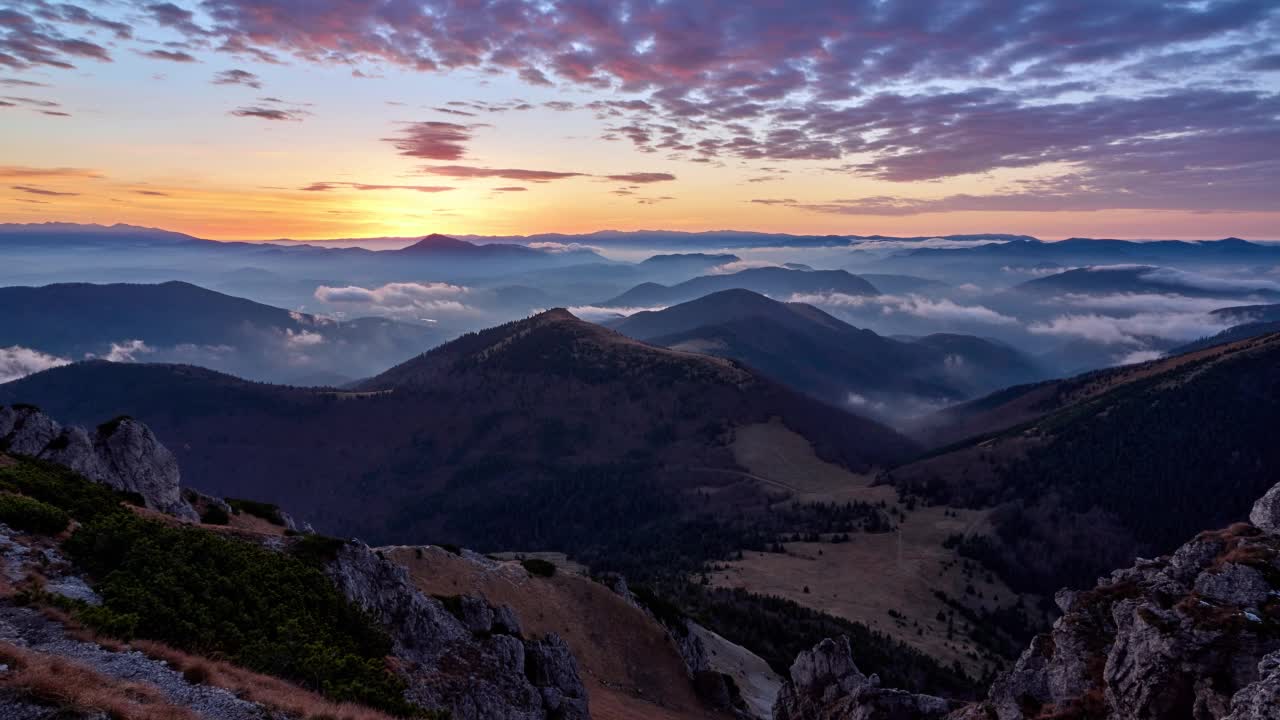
{"x": 236, "y": 76}
{"x": 255, "y": 111}
{"x": 432, "y": 140}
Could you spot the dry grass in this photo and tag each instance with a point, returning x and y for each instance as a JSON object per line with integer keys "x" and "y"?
{"x": 864, "y": 579}
{"x": 68, "y": 685}
{"x": 262, "y": 689}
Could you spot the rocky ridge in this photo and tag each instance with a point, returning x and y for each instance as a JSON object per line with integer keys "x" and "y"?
{"x": 461, "y": 653}
{"x": 1192, "y": 635}
{"x": 123, "y": 454}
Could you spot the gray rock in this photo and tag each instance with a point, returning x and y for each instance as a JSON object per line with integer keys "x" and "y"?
{"x": 464, "y": 664}
{"x": 123, "y": 454}
{"x": 1259, "y": 700}
{"x": 1180, "y": 637}
{"x": 30, "y": 432}
{"x": 1266, "y": 511}
{"x": 135, "y": 461}
{"x": 827, "y": 685}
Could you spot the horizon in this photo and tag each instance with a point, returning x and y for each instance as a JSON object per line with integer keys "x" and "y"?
{"x": 640, "y": 231}
{"x": 252, "y": 119}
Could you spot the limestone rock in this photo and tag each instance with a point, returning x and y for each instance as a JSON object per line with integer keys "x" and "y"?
{"x": 1266, "y": 511}
{"x": 827, "y": 685}
{"x": 123, "y": 454}
{"x": 474, "y": 665}
{"x": 1195, "y": 634}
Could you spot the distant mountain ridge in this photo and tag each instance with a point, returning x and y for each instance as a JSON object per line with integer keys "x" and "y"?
{"x": 1088, "y": 472}
{"x": 810, "y": 350}
{"x": 773, "y": 281}
{"x": 180, "y": 320}
{"x": 450, "y": 444}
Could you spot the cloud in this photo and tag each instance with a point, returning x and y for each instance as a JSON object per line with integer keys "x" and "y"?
{"x": 510, "y": 188}
{"x": 327, "y": 185}
{"x": 18, "y": 172}
{"x": 467, "y": 171}
{"x": 597, "y": 314}
{"x": 302, "y": 338}
{"x": 18, "y": 362}
{"x": 1139, "y": 356}
{"x": 170, "y": 55}
{"x": 256, "y": 111}
{"x": 151, "y": 193}
{"x": 642, "y": 177}
{"x": 1157, "y": 105}
{"x": 941, "y": 309}
{"x": 559, "y": 247}
{"x": 237, "y": 77}
{"x": 432, "y": 140}
{"x": 1145, "y": 302}
{"x": 1211, "y": 283}
{"x": 403, "y": 299}
{"x": 30, "y": 190}
{"x": 1134, "y": 330}
{"x": 127, "y": 351}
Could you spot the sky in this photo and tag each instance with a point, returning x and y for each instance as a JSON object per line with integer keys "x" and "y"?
{"x": 262, "y": 119}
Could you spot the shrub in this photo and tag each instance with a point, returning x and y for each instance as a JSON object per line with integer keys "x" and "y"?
{"x": 266, "y": 511}
{"x": 30, "y": 515}
{"x": 315, "y": 549}
{"x": 215, "y": 515}
{"x": 209, "y": 594}
{"x": 62, "y": 488}
{"x": 539, "y": 567}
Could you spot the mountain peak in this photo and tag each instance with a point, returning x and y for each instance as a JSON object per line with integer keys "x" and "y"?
{"x": 437, "y": 242}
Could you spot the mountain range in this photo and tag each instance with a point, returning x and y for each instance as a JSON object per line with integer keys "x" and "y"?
{"x": 810, "y": 350}
{"x": 773, "y": 281}
{"x": 457, "y": 443}
{"x": 177, "y": 321}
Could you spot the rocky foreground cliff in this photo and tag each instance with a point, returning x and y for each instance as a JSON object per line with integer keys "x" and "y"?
{"x": 1194, "y": 635}
{"x": 460, "y": 655}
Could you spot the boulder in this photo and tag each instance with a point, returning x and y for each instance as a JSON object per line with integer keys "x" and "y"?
{"x": 827, "y": 685}
{"x": 1266, "y": 511}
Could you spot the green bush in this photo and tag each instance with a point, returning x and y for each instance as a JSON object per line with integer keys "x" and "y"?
{"x": 208, "y": 594}
{"x": 538, "y": 567}
{"x": 62, "y": 488}
{"x": 215, "y": 515}
{"x": 30, "y": 515}
{"x": 266, "y": 511}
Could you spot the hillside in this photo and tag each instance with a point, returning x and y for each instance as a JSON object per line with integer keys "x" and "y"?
{"x": 548, "y": 433}
{"x": 773, "y": 281}
{"x": 177, "y": 321}
{"x": 1144, "y": 279}
{"x": 818, "y": 354}
{"x": 1088, "y": 473}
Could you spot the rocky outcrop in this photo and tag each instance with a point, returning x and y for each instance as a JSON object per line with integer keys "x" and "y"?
{"x": 123, "y": 454}
{"x": 1266, "y": 512}
{"x": 1193, "y": 635}
{"x": 827, "y": 685}
{"x": 461, "y": 653}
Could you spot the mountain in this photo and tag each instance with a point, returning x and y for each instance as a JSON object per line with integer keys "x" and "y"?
{"x": 773, "y": 281}
{"x": 52, "y": 235}
{"x": 1087, "y": 473}
{"x": 437, "y": 245}
{"x": 1146, "y": 279}
{"x": 177, "y": 321}
{"x": 806, "y": 348}
{"x": 1140, "y": 643}
{"x": 608, "y": 436}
